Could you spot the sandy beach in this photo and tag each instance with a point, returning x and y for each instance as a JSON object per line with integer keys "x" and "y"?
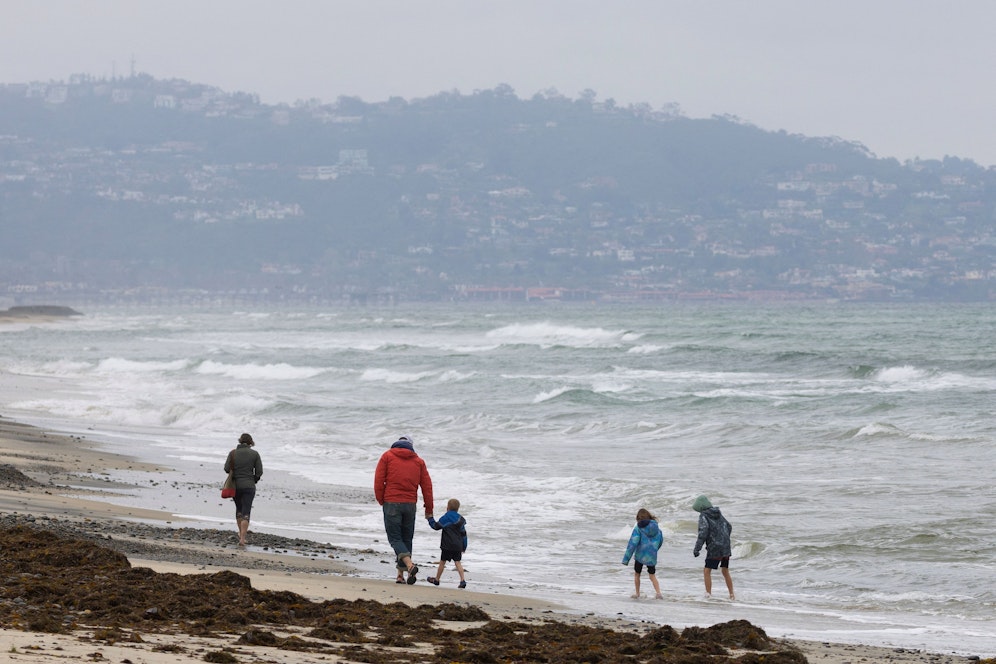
{"x": 294, "y": 590}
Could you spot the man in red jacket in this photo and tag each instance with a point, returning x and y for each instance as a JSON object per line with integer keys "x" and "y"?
{"x": 400, "y": 473}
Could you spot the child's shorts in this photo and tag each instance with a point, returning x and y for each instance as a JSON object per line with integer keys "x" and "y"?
{"x": 450, "y": 555}
{"x": 638, "y": 568}
{"x": 716, "y": 563}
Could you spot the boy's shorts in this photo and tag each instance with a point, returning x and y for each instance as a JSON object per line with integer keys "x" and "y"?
{"x": 638, "y": 567}
{"x": 450, "y": 555}
{"x": 716, "y": 563}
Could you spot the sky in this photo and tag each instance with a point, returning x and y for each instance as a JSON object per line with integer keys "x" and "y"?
{"x": 905, "y": 78}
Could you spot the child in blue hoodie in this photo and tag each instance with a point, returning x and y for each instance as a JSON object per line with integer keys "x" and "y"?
{"x": 452, "y": 542}
{"x": 645, "y": 541}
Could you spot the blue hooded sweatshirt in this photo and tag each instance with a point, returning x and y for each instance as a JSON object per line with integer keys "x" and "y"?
{"x": 454, "y": 527}
{"x": 646, "y": 539}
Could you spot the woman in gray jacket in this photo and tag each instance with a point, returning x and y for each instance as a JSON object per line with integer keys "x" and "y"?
{"x": 246, "y": 468}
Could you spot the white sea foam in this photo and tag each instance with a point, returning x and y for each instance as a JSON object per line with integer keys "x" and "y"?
{"x": 903, "y": 374}
{"x": 552, "y": 394}
{"x": 455, "y": 376}
{"x": 549, "y": 334}
{"x": 280, "y": 371}
{"x": 390, "y": 376}
{"x": 610, "y": 386}
{"x": 121, "y": 365}
{"x": 645, "y": 349}
{"x": 878, "y": 429}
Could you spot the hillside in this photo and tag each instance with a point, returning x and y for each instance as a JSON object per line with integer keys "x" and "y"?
{"x": 149, "y": 189}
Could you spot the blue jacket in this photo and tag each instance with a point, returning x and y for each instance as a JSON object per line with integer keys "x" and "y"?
{"x": 646, "y": 539}
{"x": 454, "y": 527}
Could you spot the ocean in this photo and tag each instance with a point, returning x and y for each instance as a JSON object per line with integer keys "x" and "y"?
{"x": 850, "y": 445}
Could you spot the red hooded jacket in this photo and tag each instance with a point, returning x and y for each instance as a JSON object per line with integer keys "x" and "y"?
{"x": 399, "y": 475}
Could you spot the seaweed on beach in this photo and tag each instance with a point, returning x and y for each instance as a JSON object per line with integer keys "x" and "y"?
{"x": 12, "y": 478}
{"x": 58, "y": 584}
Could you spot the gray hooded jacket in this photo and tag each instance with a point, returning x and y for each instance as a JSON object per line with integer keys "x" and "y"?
{"x": 714, "y": 532}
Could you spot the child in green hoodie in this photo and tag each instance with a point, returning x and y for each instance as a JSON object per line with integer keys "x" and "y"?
{"x": 714, "y": 532}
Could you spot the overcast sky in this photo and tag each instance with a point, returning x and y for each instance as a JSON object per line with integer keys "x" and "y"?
{"x": 906, "y": 78}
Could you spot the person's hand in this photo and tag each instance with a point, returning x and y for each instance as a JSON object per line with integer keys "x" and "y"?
{"x": 695, "y": 553}
{"x": 428, "y": 514}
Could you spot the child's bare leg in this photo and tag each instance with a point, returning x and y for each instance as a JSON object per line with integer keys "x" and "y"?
{"x": 729, "y": 581}
{"x": 657, "y": 586}
{"x": 707, "y": 577}
{"x": 636, "y": 584}
{"x": 440, "y": 568}
{"x": 459, "y": 569}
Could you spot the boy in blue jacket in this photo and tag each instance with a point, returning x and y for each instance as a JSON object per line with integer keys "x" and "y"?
{"x": 453, "y": 541}
{"x": 646, "y": 539}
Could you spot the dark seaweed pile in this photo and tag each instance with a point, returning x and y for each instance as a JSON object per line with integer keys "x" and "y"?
{"x": 52, "y": 582}
{"x": 12, "y": 478}
{"x": 195, "y": 546}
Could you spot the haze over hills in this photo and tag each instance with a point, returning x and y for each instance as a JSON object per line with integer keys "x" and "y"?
{"x": 138, "y": 188}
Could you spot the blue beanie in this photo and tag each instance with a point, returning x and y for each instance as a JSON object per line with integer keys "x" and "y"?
{"x": 404, "y": 442}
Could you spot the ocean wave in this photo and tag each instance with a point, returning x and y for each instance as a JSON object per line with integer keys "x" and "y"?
{"x": 645, "y": 349}
{"x": 118, "y": 364}
{"x": 552, "y": 394}
{"x": 879, "y": 407}
{"x": 283, "y": 408}
{"x": 392, "y": 376}
{"x": 65, "y": 367}
{"x": 193, "y": 418}
{"x": 281, "y": 371}
{"x": 795, "y": 356}
{"x": 604, "y": 395}
{"x": 876, "y": 429}
{"x": 749, "y": 549}
{"x": 912, "y": 378}
{"x": 828, "y": 455}
{"x": 547, "y": 335}
{"x": 452, "y": 376}
{"x": 903, "y": 374}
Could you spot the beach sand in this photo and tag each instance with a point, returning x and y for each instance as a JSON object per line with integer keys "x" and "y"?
{"x": 58, "y": 484}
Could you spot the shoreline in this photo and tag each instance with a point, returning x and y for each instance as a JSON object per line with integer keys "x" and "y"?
{"x": 60, "y": 483}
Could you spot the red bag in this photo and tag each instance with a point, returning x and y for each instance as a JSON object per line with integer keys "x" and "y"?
{"x": 228, "y": 488}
